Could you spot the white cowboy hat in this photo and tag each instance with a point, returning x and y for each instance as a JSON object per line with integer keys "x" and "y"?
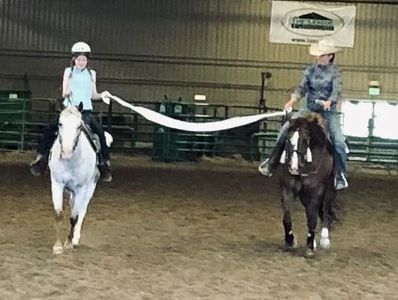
{"x": 324, "y": 46}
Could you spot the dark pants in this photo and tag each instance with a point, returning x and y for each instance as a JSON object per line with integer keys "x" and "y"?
{"x": 50, "y": 134}
{"x": 96, "y": 127}
{"x": 48, "y": 137}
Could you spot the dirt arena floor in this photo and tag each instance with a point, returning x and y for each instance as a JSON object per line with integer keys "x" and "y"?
{"x": 207, "y": 230}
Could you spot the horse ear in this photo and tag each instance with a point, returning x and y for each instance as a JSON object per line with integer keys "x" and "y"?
{"x": 80, "y": 107}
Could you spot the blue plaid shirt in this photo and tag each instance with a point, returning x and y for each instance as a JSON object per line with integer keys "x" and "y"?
{"x": 320, "y": 82}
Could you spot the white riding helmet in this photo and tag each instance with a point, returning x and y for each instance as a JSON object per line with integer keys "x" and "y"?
{"x": 81, "y": 47}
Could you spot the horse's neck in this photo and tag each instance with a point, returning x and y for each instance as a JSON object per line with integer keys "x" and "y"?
{"x": 83, "y": 147}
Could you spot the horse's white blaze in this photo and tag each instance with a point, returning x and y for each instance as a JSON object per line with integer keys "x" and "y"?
{"x": 325, "y": 241}
{"x": 68, "y": 133}
{"x": 294, "y": 166}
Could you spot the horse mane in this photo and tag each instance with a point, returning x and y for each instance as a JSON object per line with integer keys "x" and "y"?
{"x": 319, "y": 135}
{"x": 71, "y": 110}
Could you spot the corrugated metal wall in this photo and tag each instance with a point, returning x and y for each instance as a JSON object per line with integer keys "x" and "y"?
{"x": 144, "y": 49}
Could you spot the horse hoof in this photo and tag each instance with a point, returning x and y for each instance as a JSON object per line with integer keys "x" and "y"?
{"x": 75, "y": 242}
{"x": 289, "y": 247}
{"x": 68, "y": 245}
{"x": 309, "y": 253}
{"x": 57, "y": 248}
{"x": 325, "y": 244}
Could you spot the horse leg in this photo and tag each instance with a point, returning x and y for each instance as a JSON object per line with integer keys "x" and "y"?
{"x": 72, "y": 219}
{"x": 312, "y": 219}
{"x": 290, "y": 242}
{"x": 81, "y": 203}
{"x": 324, "y": 215}
{"x": 325, "y": 241}
{"x": 57, "y": 197}
{"x": 68, "y": 243}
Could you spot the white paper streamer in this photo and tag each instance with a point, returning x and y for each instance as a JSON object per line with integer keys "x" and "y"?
{"x": 190, "y": 126}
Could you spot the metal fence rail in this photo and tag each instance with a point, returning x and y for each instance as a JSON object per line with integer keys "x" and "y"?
{"x": 22, "y": 123}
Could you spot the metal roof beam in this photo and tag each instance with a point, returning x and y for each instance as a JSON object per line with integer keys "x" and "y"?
{"x": 387, "y": 2}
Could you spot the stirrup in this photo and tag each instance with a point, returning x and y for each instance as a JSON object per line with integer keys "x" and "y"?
{"x": 105, "y": 172}
{"x": 38, "y": 165}
{"x": 38, "y": 158}
{"x": 340, "y": 182}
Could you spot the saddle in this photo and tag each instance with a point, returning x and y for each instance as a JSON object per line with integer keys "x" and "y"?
{"x": 92, "y": 137}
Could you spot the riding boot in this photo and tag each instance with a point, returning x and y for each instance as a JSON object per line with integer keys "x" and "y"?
{"x": 341, "y": 166}
{"x": 270, "y": 164}
{"x": 340, "y": 182}
{"x": 104, "y": 168}
{"x": 38, "y": 166}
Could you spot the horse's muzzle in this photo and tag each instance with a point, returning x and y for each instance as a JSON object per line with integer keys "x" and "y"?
{"x": 66, "y": 154}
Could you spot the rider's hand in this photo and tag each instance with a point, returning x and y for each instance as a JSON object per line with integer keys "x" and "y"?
{"x": 66, "y": 93}
{"x": 288, "y": 107}
{"x": 105, "y": 96}
{"x": 326, "y": 105}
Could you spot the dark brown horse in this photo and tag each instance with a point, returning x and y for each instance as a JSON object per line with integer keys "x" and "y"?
{"x": 307, "y": 172}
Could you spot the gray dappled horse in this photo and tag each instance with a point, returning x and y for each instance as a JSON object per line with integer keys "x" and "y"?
{"x": 73, "y": 169}
{"x": 307, "y": 172}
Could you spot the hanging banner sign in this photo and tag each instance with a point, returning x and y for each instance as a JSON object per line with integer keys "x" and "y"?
{"x": 306, "y": 23}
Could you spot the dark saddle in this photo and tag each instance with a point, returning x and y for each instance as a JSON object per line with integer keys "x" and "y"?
{"x": 92, "y": 137}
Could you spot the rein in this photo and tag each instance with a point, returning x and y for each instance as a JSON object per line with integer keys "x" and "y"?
{"x": 317, "y": 169}
{"x": 295, "y": 154}
{"x": 88, "y": 134}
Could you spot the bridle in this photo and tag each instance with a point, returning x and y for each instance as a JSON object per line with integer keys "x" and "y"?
{"x": 75, "y": 140}
{"x": 296, "y": 151}
{"x": 303, "y": 153}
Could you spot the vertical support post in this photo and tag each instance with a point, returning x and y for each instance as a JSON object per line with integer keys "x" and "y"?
{"x": 21, "y": 147}
{"x": 261, "y": 101}
{"x": 26, "y": 82}
{"x": 110, "y": 109}
{"x": 371, "y": 125}
{"x": 262, "y": 107}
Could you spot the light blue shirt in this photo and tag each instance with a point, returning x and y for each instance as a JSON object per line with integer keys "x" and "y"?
{"x": 81, "y": 84}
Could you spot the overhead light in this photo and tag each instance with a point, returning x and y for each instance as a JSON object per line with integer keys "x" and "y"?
{"x": 374, "y": 88}
{"x": 199, "y": 97}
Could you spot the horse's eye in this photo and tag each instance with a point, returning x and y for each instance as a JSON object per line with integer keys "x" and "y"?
{"x": 60, "y": 125}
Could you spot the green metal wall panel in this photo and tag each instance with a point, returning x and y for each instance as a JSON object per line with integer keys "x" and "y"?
{"x": 145, "y": 49}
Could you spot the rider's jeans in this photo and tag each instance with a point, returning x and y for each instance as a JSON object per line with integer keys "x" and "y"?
{"x": 338, "y": 138}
